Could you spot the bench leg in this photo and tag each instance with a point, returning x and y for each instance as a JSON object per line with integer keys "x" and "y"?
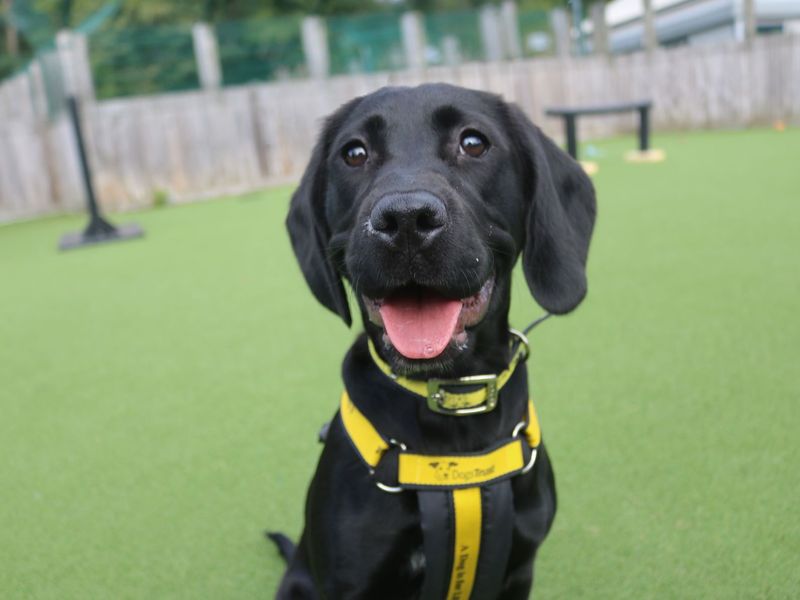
{"x": 570, "y": 130}
{"x": 644, "y": 154}
{"x": 644, "y": 128}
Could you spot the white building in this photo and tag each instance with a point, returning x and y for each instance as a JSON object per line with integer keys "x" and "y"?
{"x": 695, "y": 21}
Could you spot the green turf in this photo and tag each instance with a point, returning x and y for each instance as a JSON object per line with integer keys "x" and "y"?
{"x": 161, "y": 398}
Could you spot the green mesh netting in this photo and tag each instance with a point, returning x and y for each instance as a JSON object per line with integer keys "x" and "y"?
{"x": 99, "y": 18}
{"x": 260, "y": 49}
{"x": 160, "y": 58}
{"x": 8, "y": 64}
{"x": 365, "y": 43}
{"x": 35, "y": 26}
{"x": 37, "y": 30}
{"x": 143, "y": 60}
{"x": 535, "y": 33}
{"x": 462, "y": 29}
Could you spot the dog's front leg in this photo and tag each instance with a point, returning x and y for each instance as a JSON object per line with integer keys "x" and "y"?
{"x": 360, "y": 541}
{"x": 297, "y": 583}
{"x": 535, "y": 509}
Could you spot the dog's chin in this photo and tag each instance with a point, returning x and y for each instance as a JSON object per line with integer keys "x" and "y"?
{"x": 421, "y": 332}
{"x": 440, "y": 366}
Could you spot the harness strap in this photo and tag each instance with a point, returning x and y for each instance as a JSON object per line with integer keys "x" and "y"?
{"x": 467, "y": 542}
{"x": 497, "y": 530}
{"x": 448, "y": 471}
{"x": 460, "y": 470}
{"x": 465, "y": 503}
{"x": 435, "y": 509}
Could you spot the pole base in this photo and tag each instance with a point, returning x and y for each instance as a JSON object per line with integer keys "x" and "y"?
{"x": 590, "y": 167}
{"x": 100, "y": 232}
{"x": 654, "y": 155}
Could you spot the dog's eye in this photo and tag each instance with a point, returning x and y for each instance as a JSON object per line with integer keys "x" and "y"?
{"x": 354, "y": 154}
{"x": 473, "y": 144}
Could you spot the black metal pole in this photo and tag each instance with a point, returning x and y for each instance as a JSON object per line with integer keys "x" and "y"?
{"x": 97, "y": 226}
{"x": 98, "y": 230}
{"x": 572, "y": 135}
{"x": 644, "y": 128}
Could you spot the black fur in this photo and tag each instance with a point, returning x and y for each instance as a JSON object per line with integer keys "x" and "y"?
{"x": 463, "y": 220}
{"x": 285, "y": 546}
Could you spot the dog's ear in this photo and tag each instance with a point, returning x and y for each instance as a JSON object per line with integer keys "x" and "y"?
{"x": 308, "y": 226}
{"x": 560, "y": 218}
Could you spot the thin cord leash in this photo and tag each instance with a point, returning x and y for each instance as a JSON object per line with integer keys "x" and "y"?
{"x": 522, "y": 336}
{"x": 536, "y": 322}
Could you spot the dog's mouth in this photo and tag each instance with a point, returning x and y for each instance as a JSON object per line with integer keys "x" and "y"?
{"x": 421, "y": 323}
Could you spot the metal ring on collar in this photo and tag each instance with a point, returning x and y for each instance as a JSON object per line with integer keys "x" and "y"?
{"x": 532, "y": 460}
{"x": 388, "y": 488}
{"x": 523, "y": 339}
{"x": 401, "y": 445}
{"x": 391, "y": 489}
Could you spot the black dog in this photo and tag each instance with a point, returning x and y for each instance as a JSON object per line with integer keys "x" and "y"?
{"x": 423, "y": 199}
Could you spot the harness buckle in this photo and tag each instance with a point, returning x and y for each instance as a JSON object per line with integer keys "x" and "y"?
{"x": 437, "y": 396}
{"x": 534, "y": 451}
{"x": 391, "y": 489}
{"x": 522, "y": 340}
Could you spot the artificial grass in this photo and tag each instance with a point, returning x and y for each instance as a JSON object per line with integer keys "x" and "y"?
{"x": 160, "y": 398}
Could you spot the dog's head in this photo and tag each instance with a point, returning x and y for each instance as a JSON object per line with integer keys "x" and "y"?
{"x": 423, "y": 199}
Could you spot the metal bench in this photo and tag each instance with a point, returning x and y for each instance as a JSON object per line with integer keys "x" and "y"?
{"x": 571, "y": 114}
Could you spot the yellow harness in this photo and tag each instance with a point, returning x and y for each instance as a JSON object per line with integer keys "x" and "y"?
{"x": 452, "y": 471}
{"x": 460, "y": 475}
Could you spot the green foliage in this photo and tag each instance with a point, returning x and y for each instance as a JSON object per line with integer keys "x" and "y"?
{"x": 462, "y": 26}
{"x": 365, "y": 43}
{"x": 260, "y": 49}
{"x": 8, "y": 64}
{"x": 535, "y": 32}
{"x": 160, "y": 198}
{"x": 440, "y": 5}
{"x": 39, "y": 19}
{"x": 143, "y": 60}
{"x": 145, "y": 46}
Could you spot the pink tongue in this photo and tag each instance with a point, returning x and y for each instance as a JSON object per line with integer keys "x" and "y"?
{"x": 420, "y": 327}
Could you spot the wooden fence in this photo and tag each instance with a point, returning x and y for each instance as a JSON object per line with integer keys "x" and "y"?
{"x": 208, "y": 143}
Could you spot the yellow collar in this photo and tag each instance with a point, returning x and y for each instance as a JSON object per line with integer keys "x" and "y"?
{"x": 442, "y": 400}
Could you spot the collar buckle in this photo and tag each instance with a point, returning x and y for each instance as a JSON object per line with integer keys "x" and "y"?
{"x": 447, "y": 403}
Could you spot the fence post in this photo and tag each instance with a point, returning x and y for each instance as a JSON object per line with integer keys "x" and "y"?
{"x": 315, "y": 46}
{"x": 73, "y": 56}
{"x": 600, "y": 33}
{"x": 511, "y": 35}
{"x": 206, "y": 55}
{"x": 745, "y": 21}
{"x": 650, "y": 40}
{"x": 451, "y": 51}
{"x": 37, "y": 88}
{"x": 491, "y": 33}
{"x": 559, "y": 21}
{"x": 577, "y": 27}
{"x": 413, "y": 30}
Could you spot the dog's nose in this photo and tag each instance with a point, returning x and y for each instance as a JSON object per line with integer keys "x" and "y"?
{"x": 415, "y": 216}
